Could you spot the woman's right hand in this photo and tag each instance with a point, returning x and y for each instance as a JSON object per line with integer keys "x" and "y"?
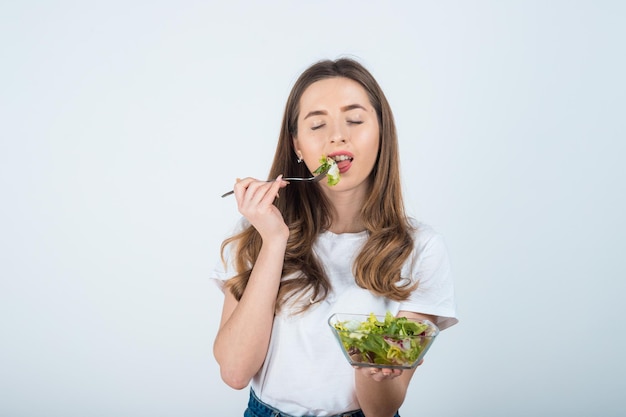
{"x": 242, "y": 341}
{"x": 255, "y": 201}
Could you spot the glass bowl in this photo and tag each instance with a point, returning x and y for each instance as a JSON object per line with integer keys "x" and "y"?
{"x": 382, "y": 341}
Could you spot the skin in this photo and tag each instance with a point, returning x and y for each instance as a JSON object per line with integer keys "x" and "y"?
{"x": 335, "y": 118}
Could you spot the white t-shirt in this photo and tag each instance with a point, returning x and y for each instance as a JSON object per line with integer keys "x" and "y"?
{"x": 305, "y": 372}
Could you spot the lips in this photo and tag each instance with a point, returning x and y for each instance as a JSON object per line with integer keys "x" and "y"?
{"x": 343, "y": 160}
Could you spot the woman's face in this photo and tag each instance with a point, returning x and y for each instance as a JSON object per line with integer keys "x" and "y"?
{"x": 337, "y": 120}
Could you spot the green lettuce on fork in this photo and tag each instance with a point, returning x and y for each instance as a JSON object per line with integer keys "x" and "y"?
{"x": 395, "y": 341}
{"x": 333, "y": 169}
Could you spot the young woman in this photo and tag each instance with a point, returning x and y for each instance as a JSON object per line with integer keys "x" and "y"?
{"x": 304, "y": 251}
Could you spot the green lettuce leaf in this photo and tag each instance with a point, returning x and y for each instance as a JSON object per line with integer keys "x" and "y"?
{"x": 393, "y": 341}
{"x": 333, "y": 169}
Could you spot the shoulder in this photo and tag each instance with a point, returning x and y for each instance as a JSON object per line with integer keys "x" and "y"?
{"x": 425, "y": 236}
{"x": 241, "y": 224}
{"x": 228, "y": 245}
{"x": 429, "y": 248}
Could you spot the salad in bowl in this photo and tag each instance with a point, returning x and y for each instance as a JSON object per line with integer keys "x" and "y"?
{"x": 382, "y": 341}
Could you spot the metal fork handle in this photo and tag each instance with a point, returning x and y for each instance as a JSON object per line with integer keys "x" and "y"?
{"x": 286, "y": 179}
{"x": 299, "y": 179}
{"x": 317, "y": 178}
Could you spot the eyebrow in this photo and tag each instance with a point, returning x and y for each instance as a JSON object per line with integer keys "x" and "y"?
{"x": 343, "y": 109}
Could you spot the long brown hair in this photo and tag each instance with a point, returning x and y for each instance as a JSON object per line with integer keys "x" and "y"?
{"x": 307, "y": 212}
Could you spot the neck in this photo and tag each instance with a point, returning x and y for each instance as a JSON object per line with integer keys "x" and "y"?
{"x": 346, "y": 228}
{"x": 347, "y": 215}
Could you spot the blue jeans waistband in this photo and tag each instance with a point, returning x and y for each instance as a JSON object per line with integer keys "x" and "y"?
{"x": 257, "y": 408}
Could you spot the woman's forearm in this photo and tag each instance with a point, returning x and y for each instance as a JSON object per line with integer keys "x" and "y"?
{"x": 381, "y": 398}
{"x": 241, "y": 343}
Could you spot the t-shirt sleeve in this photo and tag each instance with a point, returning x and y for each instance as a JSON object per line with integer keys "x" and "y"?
{"x": 225, "y": 269}
{"x": 219, "y": 275}
{"x": 430, "y": 267}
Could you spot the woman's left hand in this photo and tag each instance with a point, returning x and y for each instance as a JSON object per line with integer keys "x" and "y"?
{"x": 381, "y": 374}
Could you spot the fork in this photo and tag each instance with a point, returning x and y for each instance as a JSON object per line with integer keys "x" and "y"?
{"x": 316, "y": 178}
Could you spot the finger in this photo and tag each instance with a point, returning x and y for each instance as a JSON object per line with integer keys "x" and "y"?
{"x": 283, "y": 184}
{"x": 384, "y": 373}
{"x": 248, "y": 195}
{"x": 378, "y": 375}
{"x": 241, "y": 185}
{"x": 262, "y": 193}
{"x": 272, "y": 193}
{"x": 249, "y": 187}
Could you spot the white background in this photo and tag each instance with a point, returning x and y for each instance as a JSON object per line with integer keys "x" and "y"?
{"x": 121, "y": 123}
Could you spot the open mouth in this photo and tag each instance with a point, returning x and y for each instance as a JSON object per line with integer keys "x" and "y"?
{"x": 343, "y": 161}
{"x": 340, "y": 158}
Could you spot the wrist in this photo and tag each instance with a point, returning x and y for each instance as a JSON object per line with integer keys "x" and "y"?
{"x": 276, "y": 241}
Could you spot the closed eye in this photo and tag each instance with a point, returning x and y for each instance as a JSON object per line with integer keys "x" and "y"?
{"x": 317, "y": 127}
{"x": 355, "y": 122}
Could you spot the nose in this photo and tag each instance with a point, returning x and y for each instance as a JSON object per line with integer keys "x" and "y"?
{"x": 338, "y": 134}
